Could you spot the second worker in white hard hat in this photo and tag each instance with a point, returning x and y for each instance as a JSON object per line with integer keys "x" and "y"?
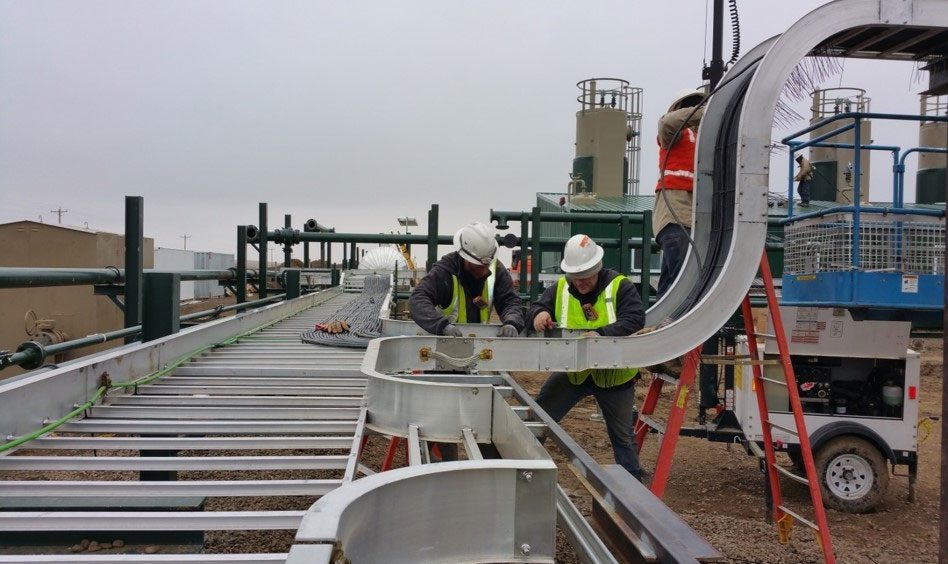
{"x": 465, "y": 285}
{"x": 604, "y": 303}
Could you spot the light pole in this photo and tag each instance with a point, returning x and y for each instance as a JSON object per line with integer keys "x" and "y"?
{"x": 407, "y": 222}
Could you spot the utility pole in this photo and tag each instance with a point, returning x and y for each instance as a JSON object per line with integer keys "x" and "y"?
{"x": 185, "y": 237}
{"x": 715, "y": 69}
{"x": 59, "y": 212}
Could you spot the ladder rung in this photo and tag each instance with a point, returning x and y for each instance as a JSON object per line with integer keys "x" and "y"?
{"x": 790, "y": 474}
{"x": 665, "y": 377}
{"x": 765, "y": 335}
{"x": 796, "y": 516}
{"x": 784, "y": 429}
{"x": 772, "y": 381}
{"x": 657, "y": 425}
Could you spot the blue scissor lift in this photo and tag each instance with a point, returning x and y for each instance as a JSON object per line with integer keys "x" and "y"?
{"x": 855, "y": 278}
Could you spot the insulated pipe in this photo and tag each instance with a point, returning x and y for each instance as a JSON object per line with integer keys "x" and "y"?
{"x": 31, "y": 354}
{"x": 25, "y": 277}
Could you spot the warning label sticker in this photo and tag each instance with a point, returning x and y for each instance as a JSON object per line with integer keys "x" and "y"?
{"x": 909, "y": 284}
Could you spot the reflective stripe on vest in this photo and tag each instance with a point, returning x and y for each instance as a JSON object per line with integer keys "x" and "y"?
{"x": 457, "y": 314}
{"x": 570, "y": 315}
{"x": 679, "y": 163}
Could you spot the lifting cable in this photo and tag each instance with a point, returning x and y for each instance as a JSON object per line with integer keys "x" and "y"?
{"x": 361, "y": 314}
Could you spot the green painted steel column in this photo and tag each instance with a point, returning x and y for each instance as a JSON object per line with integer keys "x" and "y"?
{"x": 353, "y": 256}
{"x": 345, "y": 255}
{"x": 262, "y": 245}
{"x": 287, "y": 248}
{"x": 329, "y": 255}
{"x": 524, "y": 250}
{"x": 625, "y": 259}
{"x": 292, "y": 283}
{"x": 134, "y": 261}
{"x": 535, "y": 255}
{"x": 241, "y": 284}
{"x": 306, "y": 247}
{"x": 162, "y": 304}
{"x": 432, "y": 236}
{"x": 334, "y": 277}
{"x": 645, "y": 289}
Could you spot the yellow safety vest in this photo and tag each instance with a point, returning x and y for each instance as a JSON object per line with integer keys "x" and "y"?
{"x": 570, "y": 315}
{"x": 456, "y": 312}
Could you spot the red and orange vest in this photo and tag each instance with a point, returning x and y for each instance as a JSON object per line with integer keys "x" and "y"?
{"x": 680, "y": 166}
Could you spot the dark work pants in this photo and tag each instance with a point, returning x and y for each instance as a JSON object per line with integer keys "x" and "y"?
{"x": 673, "y": 239}
{"x": 803, "y": 189}
{"x": 558, "y": 396}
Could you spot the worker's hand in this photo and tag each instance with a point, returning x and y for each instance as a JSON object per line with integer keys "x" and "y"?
{"x": 508, "y": 331}
{"x": 542, "y": 321}
{"x": 591, "y": 334}
{"x": 451, "y": 331}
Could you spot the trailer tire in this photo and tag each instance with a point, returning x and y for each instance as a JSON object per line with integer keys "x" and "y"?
{"x": 853, "y": 474}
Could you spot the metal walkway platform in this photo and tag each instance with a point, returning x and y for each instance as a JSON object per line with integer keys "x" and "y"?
{"x": 231, "y": 409}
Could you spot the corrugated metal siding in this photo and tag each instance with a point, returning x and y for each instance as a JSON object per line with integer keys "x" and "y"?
{"x": 177, "y": 259}
{"x": 204, "y": 289}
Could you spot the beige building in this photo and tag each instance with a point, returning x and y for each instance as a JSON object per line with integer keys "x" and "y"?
{"x": 74, "y": 310}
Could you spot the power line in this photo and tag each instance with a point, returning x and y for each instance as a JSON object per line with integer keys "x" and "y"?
{"x": 59, "y": 212}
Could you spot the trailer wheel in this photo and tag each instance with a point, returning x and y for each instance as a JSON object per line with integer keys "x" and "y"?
{"x": 853, "y": 474}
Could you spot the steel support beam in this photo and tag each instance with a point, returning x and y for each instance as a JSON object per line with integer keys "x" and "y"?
{"x": 134, "y": 261}
{"x": 241, "y": 283}
{"x": 160, "y": 314}
{"x": 262, "y": 247}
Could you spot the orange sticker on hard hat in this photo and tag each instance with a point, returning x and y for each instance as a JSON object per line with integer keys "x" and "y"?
{"x": 584, "y": 241}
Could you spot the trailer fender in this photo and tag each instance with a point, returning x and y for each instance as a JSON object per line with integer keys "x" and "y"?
{"x": 828, "y": 432}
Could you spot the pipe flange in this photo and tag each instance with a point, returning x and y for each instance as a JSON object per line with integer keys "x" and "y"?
{"x": 37, "y": 356}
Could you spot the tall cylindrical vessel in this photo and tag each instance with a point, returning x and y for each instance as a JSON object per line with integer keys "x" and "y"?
{"x": 607, "y": 147}
{"x": 930, "y": 179}
{"x": 833, "y": 174}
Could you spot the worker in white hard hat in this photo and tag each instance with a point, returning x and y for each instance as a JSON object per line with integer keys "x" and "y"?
{"x": 465, "y": 285}
{"x": 604, "y": 303}
{"x": 671, "y": 218}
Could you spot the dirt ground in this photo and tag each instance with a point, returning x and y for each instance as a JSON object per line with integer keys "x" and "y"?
{"x": 717, "y": 489}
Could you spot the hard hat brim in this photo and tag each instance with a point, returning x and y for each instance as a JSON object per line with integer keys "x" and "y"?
{"x": 585, "y": 266}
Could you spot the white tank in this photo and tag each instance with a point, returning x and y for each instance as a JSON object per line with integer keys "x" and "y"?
{"x": 383, "y": 259}
{"x": 833, "y": 176}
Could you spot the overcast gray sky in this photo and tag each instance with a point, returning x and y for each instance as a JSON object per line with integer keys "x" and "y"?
{"x": 354, "y": 113}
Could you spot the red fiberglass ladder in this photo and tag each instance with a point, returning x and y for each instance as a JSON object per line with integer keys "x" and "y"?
{"x": 670, "y": 430}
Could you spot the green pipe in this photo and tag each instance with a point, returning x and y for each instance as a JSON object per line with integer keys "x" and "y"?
{"x": 27, "y": 277}
{"x": 635, "y": 218}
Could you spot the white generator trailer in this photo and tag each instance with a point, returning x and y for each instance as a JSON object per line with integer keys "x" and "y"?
{"x": 859, "y": 388}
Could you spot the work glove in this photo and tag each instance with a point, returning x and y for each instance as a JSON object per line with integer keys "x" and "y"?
{"x": 336, "y": 326}
{"x": 508, "y": 331}
{"x": 451, "y": 331}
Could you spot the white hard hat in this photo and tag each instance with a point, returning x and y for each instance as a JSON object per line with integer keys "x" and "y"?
{"x": 475, "y": 243}
{"x": 682, "y": 95}
{"x": 581, "y": 255}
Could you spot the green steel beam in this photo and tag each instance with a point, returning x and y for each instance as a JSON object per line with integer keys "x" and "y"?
{"x": 262, "y": 246}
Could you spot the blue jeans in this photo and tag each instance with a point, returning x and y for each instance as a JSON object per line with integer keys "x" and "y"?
{"x": 673, "y": 239}
{"x": 803, "y": 188}
{"x": 558, "y": 396}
